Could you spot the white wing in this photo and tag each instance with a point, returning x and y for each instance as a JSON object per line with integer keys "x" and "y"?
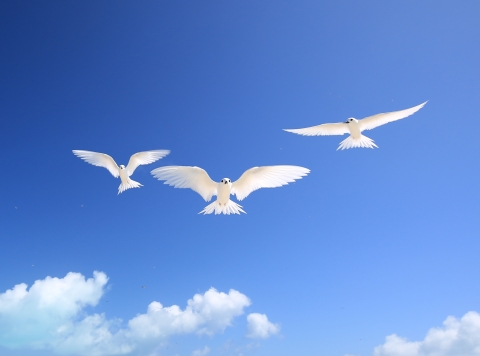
{"x": 145, "y": 157}
{"x": 266, "y": 177}
{"x": 99, "y": 160}
{"x": 381, "y": 119}
{"x": 339, "y": 128}
{"x": 188, "y": 177}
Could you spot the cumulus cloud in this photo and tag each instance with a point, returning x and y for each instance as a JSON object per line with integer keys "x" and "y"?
{"x": 33, "y": 317}
{"x": 455, "y": 337}
{"x": 205, "y": 314}
{"x": 50, "y": 315}
{"x": 259, "y": 326}
{"x": 201, "y": 352}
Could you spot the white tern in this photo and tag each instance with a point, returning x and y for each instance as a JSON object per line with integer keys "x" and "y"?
{"x": 105, "y": 161}
{"x": 254, "y": 178}
{"x": 355, "y": 127}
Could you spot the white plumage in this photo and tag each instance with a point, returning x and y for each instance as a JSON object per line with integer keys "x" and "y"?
{"x": 255, "y": 178}
{"x": 354, "y": 127}
{"x": 103, "y": 160}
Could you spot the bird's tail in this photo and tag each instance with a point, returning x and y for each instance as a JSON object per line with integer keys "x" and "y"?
{"x": 229, "y": 208}
{"x": 129, "y": 183}
{"x": 351, "y": 142}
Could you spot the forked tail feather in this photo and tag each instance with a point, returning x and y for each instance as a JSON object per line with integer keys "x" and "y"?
{"x": 129, "y": 184}
{"x": 350, "y": 142}
{"x": 229, "y": 208}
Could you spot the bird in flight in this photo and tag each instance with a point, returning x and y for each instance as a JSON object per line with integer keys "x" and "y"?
{"x": 252, "y": 179}
{"x": 105, "y": 161}
{"x": 355, "y": 127}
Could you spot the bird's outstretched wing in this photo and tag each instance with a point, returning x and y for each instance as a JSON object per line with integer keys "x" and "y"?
{"x": 194, "y": 178}
{"x": 266, "y": 177}
{"x": 98, "y": 159}
{"x": 371, "y": 122}
{"x": 145, "y": 157}
{"x": 339, "y": 128}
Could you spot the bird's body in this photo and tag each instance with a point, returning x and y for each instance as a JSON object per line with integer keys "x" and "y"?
{"x": 254, "y": 178}
{"x": 127, "y": 182}
{"x": 223, "y": 191}
{"x": 355, "y": 128}
{"x": 123, "y": 174}
{"x": 105, "y": 161}
{"x": 223, "y": 204}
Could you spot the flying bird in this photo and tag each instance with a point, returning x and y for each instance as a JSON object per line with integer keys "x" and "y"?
{"x": 105, "y": 161}
{"x": 254, "y": 178}
{"x": 355, "y": 127}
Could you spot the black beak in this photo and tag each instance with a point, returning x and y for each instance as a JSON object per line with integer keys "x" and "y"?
{"x": 346, "y": 122}
{"x": 226, "y": 182}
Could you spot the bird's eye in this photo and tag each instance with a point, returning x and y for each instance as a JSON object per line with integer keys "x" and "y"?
{"x": 221, "y": 181}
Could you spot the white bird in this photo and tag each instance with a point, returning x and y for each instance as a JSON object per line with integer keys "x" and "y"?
{"x": 254, "y": 178}
{"x": 105, "y": 161}
{"x": 355, "y": 127}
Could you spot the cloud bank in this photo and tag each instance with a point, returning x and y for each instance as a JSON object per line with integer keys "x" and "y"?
{"x": 50, "y": 315}
{"x": 259, "y": 327}
{"x": 456, "y": 337}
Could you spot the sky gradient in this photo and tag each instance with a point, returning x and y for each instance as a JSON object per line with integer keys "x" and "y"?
{"x": 371, "y": 243}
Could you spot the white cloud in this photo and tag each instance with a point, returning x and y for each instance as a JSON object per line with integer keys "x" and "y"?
{"x": 50, "y": 315}
{"x": 455, "y": 337}
{"x": 201, "y": 352}
{"x": 259, "y": 326}
{"x": 205, "y": 314}
{"x": 31, "y": 318}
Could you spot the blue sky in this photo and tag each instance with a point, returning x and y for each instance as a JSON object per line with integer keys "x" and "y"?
{"x": 371, "y": 243}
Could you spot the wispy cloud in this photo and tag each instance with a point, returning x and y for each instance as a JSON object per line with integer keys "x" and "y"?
{"x": 51, "y": 315}
{"x": 259, "y": 326}
{"x": 455, "y": 337}
{"x": 201, "y": 352}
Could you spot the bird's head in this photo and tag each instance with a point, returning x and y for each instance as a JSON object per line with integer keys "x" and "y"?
{"x": 351, "y": 119}
{"x": 226, "y": 181}
{"x": 122, "y": 166}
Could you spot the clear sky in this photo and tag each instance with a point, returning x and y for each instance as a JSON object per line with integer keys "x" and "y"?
{"x": 364, "y": 256}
